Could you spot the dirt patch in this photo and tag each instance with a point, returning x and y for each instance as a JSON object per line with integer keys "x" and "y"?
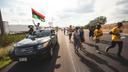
{"x": 108, "y": 27}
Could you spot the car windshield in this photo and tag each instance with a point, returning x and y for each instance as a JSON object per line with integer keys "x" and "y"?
{"x": 41, "y": 33}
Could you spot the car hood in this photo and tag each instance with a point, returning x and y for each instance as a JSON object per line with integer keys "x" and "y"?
{"x": 28, "y": 41}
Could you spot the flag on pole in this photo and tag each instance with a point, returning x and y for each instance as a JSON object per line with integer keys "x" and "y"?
{"x": 38, "y": 15}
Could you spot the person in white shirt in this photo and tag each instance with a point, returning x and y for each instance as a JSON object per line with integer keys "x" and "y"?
{"x": 77, "y": 40}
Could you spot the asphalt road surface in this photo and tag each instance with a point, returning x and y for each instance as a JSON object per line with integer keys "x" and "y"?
{"x": 86, "y": 60}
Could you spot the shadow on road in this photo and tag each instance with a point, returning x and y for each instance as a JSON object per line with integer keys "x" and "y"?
{"x": 105, "y": 42}
{"x": 121, "y": 60}
{"x": 101, "y": 41}
{"x": 99, "y": 60}
{"x": 41, "y": 66}
{"x": 92, "y": 66}
{"x": 90, "y": 44}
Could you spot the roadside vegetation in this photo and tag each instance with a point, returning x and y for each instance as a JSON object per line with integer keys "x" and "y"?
{"x": 4, "y": 58}
{"x": 5, "y": 46}
{"x": 5, "y": 40}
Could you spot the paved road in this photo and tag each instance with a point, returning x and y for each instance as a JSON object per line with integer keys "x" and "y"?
{"x": 87, "y": 60}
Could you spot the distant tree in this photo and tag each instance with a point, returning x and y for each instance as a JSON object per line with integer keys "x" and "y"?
{"x": 125, "y": 21}
{"x": 99, "y": 20}
{"x": 92, "y": 23}
{"x": 56, "y": 29}
{"x": 86, "y": 26}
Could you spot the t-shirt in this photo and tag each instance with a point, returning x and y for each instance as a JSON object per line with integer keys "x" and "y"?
{"x": 81, "y": 34}
{"x": 97, "y": 33}
{"x": 70, "y": 31}
{"x": 76, "y": 36}
{"x": 116, "y": 36}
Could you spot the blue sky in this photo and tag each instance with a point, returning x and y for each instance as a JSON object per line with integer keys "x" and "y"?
{"x": 64, "y": 12}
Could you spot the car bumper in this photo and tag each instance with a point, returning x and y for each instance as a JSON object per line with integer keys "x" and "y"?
{"x": 31, "y": 57}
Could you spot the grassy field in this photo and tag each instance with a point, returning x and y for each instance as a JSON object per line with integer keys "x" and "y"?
{"x": 5, "y": 46}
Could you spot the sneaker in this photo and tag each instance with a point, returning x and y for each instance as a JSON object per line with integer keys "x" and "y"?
{"x": 106, "y": 50}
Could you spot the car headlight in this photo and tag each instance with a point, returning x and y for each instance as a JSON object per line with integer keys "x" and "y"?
{"x": 44, "y": 45}
{"x": 40, "y": 46}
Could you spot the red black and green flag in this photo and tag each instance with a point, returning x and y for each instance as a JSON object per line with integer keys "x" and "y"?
{"x": 38, "y": 15}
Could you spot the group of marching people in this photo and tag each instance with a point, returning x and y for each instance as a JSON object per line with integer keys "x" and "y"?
{"x": 96, "y": 34}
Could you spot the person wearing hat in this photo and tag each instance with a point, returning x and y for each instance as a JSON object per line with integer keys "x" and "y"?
{"x": 97, "y": 35}
{"x": 116, "y": 38}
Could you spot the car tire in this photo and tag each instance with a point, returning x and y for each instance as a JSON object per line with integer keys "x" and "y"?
{"x": 50, "y": 53}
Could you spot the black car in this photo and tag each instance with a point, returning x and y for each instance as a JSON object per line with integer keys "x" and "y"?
{"x": 36, "y": 46}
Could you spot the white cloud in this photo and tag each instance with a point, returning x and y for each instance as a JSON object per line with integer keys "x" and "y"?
{"x": 64, "y": 12}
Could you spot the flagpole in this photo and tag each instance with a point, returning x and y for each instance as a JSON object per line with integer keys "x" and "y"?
{"x": 34, "y": 22}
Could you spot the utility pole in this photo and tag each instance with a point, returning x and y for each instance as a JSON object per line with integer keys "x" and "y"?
{"x": 1, "y": 24}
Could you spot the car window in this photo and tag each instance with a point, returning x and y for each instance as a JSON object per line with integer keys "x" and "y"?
{"x": 38, "y": 34}
{"x": 45, "y": 33}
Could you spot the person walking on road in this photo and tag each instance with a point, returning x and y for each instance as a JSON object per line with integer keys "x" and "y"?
{"x": 91, "y": 32}
{"x": 70, "y": 30}
{"x": 64, "y": 31}
{"x": 97, "y": 35}
{"x": 77, "y": 40}
{"x": 116, "y": 38}
{"x": 82, "y": 39}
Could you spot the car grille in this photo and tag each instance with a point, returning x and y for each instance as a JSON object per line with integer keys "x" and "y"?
{"x": 24, "y": 51}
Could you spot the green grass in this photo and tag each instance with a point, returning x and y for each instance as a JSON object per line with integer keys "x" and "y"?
{"x": 5, "y": 47}
{"x": 4, "y": 58}
{"x": 4, "y": 62}
{"x": 9, "y": 39}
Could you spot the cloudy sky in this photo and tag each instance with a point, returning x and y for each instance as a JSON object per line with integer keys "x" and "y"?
{"x": 64, "y": 12}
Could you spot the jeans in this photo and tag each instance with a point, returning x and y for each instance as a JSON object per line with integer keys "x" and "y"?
{"x": 120, "y": 46}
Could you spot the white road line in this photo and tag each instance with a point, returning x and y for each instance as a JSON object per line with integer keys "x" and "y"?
{"x": 70, "y": 56}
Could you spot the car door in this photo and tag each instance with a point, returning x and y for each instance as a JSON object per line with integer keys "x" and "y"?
{"x": 53, "y": 38}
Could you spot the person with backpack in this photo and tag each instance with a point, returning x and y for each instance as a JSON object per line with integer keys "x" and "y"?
{"x": 116, "y": 38}
{"x": 97, "y": 35}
